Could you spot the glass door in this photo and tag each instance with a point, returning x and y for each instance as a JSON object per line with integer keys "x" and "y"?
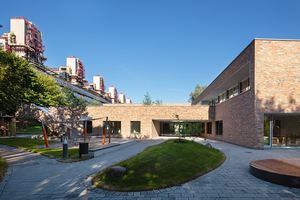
{"x": 267, "y": 131}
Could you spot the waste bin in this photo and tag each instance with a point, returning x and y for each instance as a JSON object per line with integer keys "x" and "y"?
{"x": 83, "y": 148}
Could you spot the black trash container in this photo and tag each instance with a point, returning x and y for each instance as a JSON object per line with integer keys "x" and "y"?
{"x": 83, "y": 148}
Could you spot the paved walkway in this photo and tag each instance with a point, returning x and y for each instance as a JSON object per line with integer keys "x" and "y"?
{"x": 32, "y": 176}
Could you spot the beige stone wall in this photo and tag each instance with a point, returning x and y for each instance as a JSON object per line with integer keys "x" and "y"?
{"x": 149, "y": 116}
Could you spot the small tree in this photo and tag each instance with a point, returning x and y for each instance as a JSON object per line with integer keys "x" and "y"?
{"x": 147, "y": 99}
{"x": 186, "y": 129}
{"x": 158, "y": 102}
{"x": 71, "y": 99}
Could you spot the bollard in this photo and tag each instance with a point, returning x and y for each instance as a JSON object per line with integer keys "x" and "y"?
{"x": 65, "y": 148}
{"x": 83, "y": 148}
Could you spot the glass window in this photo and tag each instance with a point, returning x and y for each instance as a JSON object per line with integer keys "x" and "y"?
{"x": 219, "y": 127}
{"x": 208, "y": 127}
{"x": 245, "y": 85}
{"x": 203, "y": 127}
{"x": 136, "y": 127}
{"x": 222, "y": 97}
{"x": 233, "y": 91}
{"x": 113, "y": 127}
{"x": 89, "y": 127}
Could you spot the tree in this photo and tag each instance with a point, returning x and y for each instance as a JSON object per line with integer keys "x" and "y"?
{"x": 147, "y": 99}
{"x": 198, "y": 90}
{"x": 186, "y": 129}
{"x": 158, "y": 102}
{"x": 16, "y": 77}
{"x": 71, "y": 99}
{"x": 20, "y": 83}
{"x": 45, "y": 91}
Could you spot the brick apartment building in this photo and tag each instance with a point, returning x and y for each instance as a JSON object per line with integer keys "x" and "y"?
{"x": 254, "y": 102}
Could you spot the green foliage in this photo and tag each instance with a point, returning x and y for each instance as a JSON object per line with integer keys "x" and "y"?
{"x": 12, "y": 128}
{"x": 95, "y": 103}
{"x": 158, "y": 102}
{"x": 30, "y": 145}
{"x": 16, "y": 77}
{"x": 71, "y": 99}
{"x": 3, "y": 168}
{"x": 163, "y": 165}
{"x": 198, "y": 90}
{"x": 186, "y": 129}
{"x": 32, "y": 129}
{"x": 147, "y": 99}
{"x": 21, "y": 84}
{"x": 45, "y": 91}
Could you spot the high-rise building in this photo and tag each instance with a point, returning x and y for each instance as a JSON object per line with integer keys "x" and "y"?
{"x": 24, "y": 39}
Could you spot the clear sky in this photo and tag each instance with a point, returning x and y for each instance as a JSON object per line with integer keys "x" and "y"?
{"x": 164, "y": 47}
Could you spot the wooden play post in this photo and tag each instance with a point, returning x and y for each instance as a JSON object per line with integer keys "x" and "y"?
{"x": 85, "y": 127}
{"x": 45, "y": 135}
{"x": 104, "y": 134}
{"x": 110, "y": 131}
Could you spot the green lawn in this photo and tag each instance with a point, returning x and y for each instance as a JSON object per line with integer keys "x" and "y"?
{"x": 163, "y": 165}
{"x": 3, "y": 168}
{"x": 30, "y": 145}
{"x": 32, "y": 129}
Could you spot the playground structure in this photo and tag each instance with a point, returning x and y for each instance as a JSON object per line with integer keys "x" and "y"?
{"x": 7, "y": 125}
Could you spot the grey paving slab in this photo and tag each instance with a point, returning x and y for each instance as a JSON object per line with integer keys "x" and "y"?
{"x": 32, "y": 176}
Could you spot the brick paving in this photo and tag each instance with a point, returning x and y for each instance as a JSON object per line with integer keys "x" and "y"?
{"x": 32, "y": 176}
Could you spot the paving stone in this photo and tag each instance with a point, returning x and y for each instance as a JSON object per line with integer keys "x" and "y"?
{"x": 32, "y": 176}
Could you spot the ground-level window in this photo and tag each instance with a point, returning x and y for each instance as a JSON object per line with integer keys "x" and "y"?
{"x": 89, "y": 127}
{"x": 202, "y": 127}
{"x": 219, "y": 127}
{"x": 113, "y": 127}
{"x": 208, "y": 127}
{"x": 136, "y": 127}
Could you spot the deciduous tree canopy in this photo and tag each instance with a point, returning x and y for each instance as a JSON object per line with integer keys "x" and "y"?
{"x": 198, "y": 90}
{"x": 21, "y": 84}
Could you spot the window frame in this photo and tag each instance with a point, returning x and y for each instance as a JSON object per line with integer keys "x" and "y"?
{"x": 131, "y": 127}
{"x": 219, "y": 127}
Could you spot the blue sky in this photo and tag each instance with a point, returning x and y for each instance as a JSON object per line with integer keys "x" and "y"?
{"x": 164, "y": 47}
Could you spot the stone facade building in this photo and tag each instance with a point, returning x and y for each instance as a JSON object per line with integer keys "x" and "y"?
{"x": 254, "y": 102}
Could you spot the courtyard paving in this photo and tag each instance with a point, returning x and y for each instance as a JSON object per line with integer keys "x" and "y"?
{"x": 32, "y": 176}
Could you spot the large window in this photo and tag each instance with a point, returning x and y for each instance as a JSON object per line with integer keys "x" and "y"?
{"x": 245, "y": 85}
{"x": 203, "y": 127}
{"x": 136, "y": 127}
{"x": 113, "y": 127}
{"x": 233, "y": 91}
{"x": 240, "y": 87}
{"x": 209, "y": 126}
{"x": 222, "y": 97}
{"x": 89, "y": 127}
{"x": 219, "y": 127}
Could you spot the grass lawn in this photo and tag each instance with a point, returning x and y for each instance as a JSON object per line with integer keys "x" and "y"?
{"x": 32, "y": 129}
{"x": 3, "y": 168}
{"x": 163, "y": 165}
{"x": 30, "y": 145}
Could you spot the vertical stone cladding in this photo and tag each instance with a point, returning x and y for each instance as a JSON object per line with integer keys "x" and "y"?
{"x": 277, "y": 78}
{"x": 237, "y": 113}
